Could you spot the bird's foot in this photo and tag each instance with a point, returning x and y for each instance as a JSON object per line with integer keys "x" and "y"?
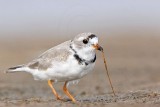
{"x": 59, "y": 98}
{"x": 66, "y": 100}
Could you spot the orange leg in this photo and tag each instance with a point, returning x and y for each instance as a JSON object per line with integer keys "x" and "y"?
{"x": 67, "y": 92}
{"x": 53, "y": 90}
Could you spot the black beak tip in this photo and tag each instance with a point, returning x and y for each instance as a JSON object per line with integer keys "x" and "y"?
{"x": 100, "y": 49}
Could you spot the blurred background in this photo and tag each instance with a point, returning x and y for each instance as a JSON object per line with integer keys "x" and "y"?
{"x": 129, "y": 31}
{"x": 67, "y": 18}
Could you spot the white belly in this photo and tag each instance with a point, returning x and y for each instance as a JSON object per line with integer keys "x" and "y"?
{"x": 64, "y": 71}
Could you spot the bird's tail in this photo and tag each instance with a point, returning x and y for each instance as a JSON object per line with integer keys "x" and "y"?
{"x": 15, "y": 69}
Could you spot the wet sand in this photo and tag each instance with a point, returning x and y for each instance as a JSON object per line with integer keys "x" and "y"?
{"x": 133, "y": 62}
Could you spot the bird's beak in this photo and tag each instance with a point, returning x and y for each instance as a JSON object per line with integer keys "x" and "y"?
{"x": 98, "y": 47}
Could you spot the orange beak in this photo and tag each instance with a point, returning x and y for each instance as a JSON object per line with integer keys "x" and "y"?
{"x": 98, "y": 47}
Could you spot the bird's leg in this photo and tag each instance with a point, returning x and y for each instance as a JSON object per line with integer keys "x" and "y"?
{"x": 67, "y": 92}
{"x": 53, "y": 90}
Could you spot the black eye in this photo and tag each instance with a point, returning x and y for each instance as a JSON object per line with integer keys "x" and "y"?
{"x": 85, "y": 41}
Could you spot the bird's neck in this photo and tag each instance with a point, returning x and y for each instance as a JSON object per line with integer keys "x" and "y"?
{"x": 84, "y": 53}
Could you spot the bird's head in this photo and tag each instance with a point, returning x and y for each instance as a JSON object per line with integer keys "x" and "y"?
{"x": 87, "y": 41}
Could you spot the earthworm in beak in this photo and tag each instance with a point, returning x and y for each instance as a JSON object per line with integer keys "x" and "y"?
{"x": 98, "y": 47}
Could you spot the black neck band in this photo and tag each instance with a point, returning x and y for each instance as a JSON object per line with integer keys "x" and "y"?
{"x": 81, "y": 60}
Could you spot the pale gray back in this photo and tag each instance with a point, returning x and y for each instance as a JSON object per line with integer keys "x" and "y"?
{"x": 58, "y": 53}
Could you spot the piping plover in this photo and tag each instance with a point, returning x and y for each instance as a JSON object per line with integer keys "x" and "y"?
{"x": 67, "y": 62}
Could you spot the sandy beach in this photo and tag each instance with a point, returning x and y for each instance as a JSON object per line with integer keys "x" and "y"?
{"x": 133, "y": 62}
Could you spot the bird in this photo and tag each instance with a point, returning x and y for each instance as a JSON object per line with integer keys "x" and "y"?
{"x": 67, "y": 62}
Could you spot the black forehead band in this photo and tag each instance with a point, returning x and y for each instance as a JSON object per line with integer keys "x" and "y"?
{"x": 92, "y": 36}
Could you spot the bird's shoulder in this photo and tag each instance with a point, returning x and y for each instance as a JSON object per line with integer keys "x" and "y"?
{"x": 57, "y": 51}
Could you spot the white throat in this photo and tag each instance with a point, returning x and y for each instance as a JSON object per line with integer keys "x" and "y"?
{"x": 86, "y": 53}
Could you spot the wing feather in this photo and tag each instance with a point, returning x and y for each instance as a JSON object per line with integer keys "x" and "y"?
{"x": 59, "y": 53}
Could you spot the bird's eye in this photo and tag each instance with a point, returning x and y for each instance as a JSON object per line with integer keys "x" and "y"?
{"x": 85, "y": 41}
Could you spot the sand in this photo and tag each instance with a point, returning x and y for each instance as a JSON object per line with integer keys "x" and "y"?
{"x": 133, "y": 62}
